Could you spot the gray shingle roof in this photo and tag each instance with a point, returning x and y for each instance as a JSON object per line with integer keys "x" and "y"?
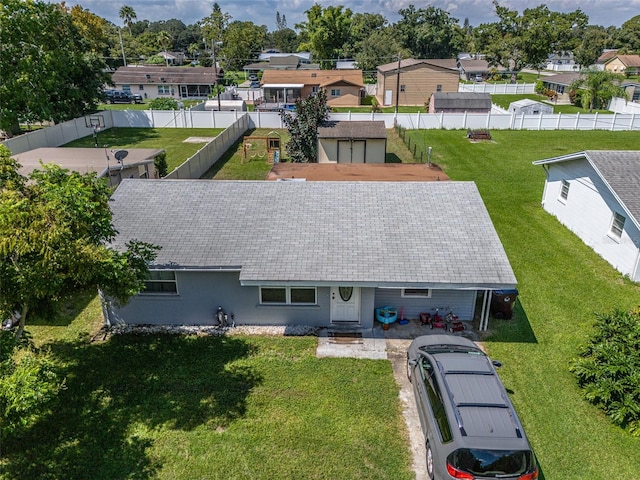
{"x": 357, "y": 129}
{"x": 365, "y": 233}
{"x": 620, "y": 169}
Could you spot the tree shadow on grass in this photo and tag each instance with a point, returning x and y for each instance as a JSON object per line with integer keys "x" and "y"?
{"x": 129, "y": 384}
{"x": 116, "y": 136}
{"x": 392, "y": 158}
{"x": 517, "y": 329}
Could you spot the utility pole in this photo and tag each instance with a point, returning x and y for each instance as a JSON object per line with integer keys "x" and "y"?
{"x": 215, "y": 65}
{"x": 124, "y": 59}
{"x": 398, "y": 87}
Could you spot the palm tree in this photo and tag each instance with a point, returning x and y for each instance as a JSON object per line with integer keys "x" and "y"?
{"x": 127, "y": 14}
{"x": 165, "y": 39}
{"x": 597, "y": 87}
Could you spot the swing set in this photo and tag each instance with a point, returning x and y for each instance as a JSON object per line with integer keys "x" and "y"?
{"x": 272, "y": 147}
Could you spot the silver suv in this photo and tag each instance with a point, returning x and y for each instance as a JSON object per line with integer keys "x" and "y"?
{"x": 470, "y": 427}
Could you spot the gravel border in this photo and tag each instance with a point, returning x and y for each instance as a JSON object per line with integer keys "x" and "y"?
{"x": 200, "y": 330}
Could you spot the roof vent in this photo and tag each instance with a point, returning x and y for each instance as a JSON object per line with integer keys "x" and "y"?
{"x": 314, "y": 75}
{"x": 148, "y": 76}
{"x": 162, "y": 79}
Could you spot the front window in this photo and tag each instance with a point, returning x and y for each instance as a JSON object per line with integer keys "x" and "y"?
{"x": 141, "y": 87}
{"x": 288, "y": 295}
{"x": 164, "y": 90}
{"x": 564, "y": 193}
{"x": 403, "y": 88}
{"x": 492, "y": 463}
{"x": 438, "y": 88}
{"x": 126, "y": 88}
{"x": 314, "y": 89}
{"x": 335, "y": 92}
{"x": 617, "y": 225}
{"x": 161, "y": 282}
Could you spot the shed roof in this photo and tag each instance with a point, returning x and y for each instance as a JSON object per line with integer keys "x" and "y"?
{"x": 323, "y": 233}
{"x": 461, "y": 100}
{"x": 620, "y": 170}
{"x": 360, "y": 129}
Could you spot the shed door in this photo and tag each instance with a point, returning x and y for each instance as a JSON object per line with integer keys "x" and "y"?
{"x": 345, "y": 304}
{"x": 351, "y": 151}
{"x": 388, "y": 97}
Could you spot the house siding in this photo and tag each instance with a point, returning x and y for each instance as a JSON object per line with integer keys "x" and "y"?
{"x": 588, "y": 212}
{"x": 420, "y": 82}
{"x": 462, "y": 302}
{"x": 200, "y": 293}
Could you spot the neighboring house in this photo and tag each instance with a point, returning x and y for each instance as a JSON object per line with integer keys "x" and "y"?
{"x": 346, "y": 65}
{"x": 561, "y": 62}
{"x": 527, "y": 106}
{"x": 475, "y": 70}
{"x": 460, "y": 102}
{"x": 560, "y": 84}
{"x": 416, "y": 81}
{"x": 172, "y": 58}
{"x": 281, "y": 61}
{"x": 352, "y": 142}
{"x": 625, "y": 64}
{"x": 282, "y": 88}
{"x": 596, "y": 195}
{"x": 310, "y": 253}
{"x": 606, "y": 56}
{"x": 153, "y": 81}
{"x": 136, "y": 163}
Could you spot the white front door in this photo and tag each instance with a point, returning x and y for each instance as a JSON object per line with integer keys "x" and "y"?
{"x": 388, "y": 97}
{"x": 345, "y": 304}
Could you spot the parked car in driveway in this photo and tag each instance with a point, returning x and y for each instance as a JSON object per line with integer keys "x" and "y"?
{"x": 120, "y": 96}
{"x": 470, "y": 427}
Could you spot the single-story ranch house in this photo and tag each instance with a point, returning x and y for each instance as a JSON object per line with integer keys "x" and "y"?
{"x": 312, "y": 253}
{"x": 352, "y": 142}
{"x": 596, "y": 194}
{"x": 152, "y": 81}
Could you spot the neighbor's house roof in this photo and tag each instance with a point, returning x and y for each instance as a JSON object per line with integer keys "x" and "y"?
{"x": 607, "y": 55}
{"x": 357, "y": 129}
{"x": 321, "y": 78}
{"x": 83, "y": 160}
{"x": 620, "y": 171}
{"x": 562, "y": 78}
{"x": 473, "y": 65}
{"x": 378, "y": 234}
{"x": 171, "y": 75}
{"x": 461, "y": 100}
{"x": 627, "y": 60}
{"x": 446, "y": 63}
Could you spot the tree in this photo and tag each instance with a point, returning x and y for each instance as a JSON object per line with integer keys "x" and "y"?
{"x": 285, "y": 40}
{"x": 325, "y": 33}
{"x": 608, "y": 368}
{"x": 166, "y": 40}
{"x": 379, "y": 47}
{"x": 597, "y": 87}
{"x": 242, "y": 41}
{"x": 46, "y": 70}
{"x": 517, "y": 41}
{"x": 591, "y": 45}
{"x": 429, "y": 32}
{"x": 55, "y": 227}
{"x": 281, "y": 21}
{"x": 127, "y": 14}
{"x": 214, "y": 26}
{"x": 303, "y": 125}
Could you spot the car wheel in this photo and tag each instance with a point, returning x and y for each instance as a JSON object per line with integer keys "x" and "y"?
{"x": 429, "y": 462}
{"x": 431, "y": 326}
{"x": 133, "y": 102}
{"x": 108, "y": 102}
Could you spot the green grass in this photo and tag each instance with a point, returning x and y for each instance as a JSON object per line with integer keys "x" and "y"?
{"x": 504, "y": 101}
{"x": 169, "y": 139}
{"x": 185, "y": 407}
{"x": 561, "y": 283}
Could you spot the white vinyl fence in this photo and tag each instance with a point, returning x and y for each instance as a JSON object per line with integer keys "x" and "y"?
{"x": 207, "y": 156}
{"x": 497, "y": 88}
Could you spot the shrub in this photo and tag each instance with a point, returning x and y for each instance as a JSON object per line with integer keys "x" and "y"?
{"x": 608, "y": 369}
{"x": 163, "y": 103}
{"x": 160, "y": 162}
{"x": 539, "y": 88}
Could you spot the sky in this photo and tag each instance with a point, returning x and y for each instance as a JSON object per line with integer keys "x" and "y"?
{"x": 263, "y": 12}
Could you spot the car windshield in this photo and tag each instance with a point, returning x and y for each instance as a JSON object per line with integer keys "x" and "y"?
{"x": 492, "y": 463}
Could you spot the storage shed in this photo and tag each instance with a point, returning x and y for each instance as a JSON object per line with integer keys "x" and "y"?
{"x": 226, "y": 105}
{"x": 460, "y": 102}
{"x": 352, "y": 142}
{"x": 527, "y": 106}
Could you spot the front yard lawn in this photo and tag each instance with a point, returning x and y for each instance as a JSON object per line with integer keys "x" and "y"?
{"x": 237, "y": 407}
{"x": 562, "y": 282}
{"x": 169, "y": 139}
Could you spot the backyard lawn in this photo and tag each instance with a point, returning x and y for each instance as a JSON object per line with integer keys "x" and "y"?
{"x": 562, "y": 283}
{"x": 169, "y": 139}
